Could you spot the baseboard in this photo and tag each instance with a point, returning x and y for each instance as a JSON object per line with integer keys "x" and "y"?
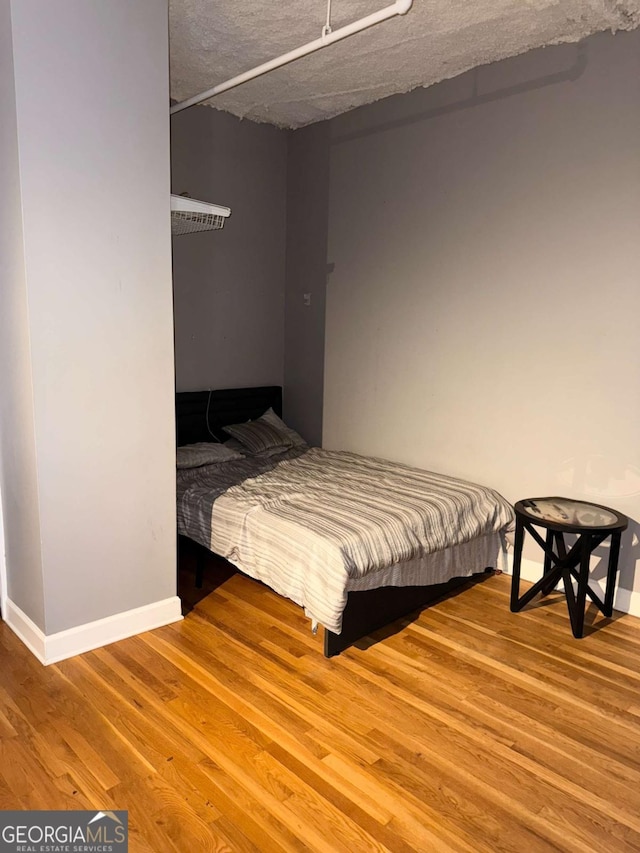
{"x": 625, "y": 600}
{"x": 65, "y": 644}
{"x": 25, "y": 629}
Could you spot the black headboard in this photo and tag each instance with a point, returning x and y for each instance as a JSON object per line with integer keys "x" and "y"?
{"x": 226, "y": 406}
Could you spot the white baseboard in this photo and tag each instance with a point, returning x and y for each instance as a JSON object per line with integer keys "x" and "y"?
{"x": 74, "y": 641}
{"x": 625, "y": 600}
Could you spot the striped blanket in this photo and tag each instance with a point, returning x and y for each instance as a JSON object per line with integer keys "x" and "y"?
{"x": 313, "y": 524}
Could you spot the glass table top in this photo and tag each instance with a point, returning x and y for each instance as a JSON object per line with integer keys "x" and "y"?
{"x": 566, "y": 511}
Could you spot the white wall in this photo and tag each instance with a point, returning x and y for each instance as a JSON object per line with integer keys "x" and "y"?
{"x": 91, "y": 96}
{"x": 3, "y": 565}
{"x": 18, "y": 474}
{"x": 482, "y": 316}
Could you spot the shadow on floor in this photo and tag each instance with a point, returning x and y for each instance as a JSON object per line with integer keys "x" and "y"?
{"x": 400, "y": 623}
{"x": 216, "y": 572}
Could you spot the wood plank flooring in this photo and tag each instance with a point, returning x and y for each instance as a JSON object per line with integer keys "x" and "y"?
{"x": 469, "y": 729}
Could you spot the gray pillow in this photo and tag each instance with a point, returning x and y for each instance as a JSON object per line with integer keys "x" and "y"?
{"x": 204, "y": 453}
{"x": 234, "y": 444}
{"x": 270, "y": 417}
{"x": 259, "y": 436}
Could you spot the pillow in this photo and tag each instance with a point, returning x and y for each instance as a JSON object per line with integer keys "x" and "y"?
{"x": 204, "y": 453}
{"x": 259, "y": 436}
{"x": 270, "y": 417}
{"x": 234, "y": 444}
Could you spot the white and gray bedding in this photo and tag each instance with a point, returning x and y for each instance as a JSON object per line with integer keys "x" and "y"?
{"x": 313, "y": 524}
{"x": 198, "y": 489}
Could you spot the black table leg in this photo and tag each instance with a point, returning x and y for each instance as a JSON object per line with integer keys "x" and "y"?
{"x": 576, "y": 602}
{"x": 583, "y": 583}
{"x": 548, "y": 566}
{"x": 612, "y": 570}
{"x": 517, "y": 562}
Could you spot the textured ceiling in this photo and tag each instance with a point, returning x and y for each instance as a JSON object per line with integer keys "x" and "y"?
{"x": 213, "y": 40}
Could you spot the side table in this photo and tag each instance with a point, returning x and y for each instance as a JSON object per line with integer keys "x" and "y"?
{"x": 593, "y": 524}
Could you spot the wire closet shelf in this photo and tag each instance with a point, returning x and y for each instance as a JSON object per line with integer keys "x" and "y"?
{"x": 189, "y": 215}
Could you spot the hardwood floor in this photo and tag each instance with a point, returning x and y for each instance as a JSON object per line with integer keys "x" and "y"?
{"x": 470, "y": 729}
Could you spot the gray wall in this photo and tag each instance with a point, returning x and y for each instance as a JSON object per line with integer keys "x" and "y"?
{"x": 88, "y": 377}
{"x": 229, "y": 285}
{"x": 307, "y": 224}
{"x": 476, "y": 230}
{"x": 482, "y": 316}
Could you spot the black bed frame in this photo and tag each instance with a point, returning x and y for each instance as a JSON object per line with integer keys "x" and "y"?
{"x": 200, "y": 415}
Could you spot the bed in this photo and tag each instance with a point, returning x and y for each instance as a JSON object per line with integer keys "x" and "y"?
{"x": 358, "y": 542}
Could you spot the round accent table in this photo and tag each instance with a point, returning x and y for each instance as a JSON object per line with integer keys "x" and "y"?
{"x": 593, "y": 524}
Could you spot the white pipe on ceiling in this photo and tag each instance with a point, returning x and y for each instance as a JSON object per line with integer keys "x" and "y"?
{"x": 400, "y": 7}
